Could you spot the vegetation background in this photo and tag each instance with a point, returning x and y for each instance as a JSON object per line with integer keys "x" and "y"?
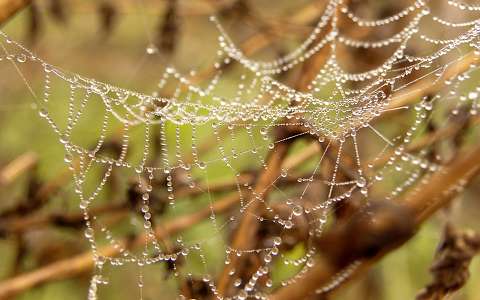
{"x": 108, "y": 40}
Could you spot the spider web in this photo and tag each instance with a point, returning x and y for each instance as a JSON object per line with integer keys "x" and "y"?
{"x": 336, "y": 114}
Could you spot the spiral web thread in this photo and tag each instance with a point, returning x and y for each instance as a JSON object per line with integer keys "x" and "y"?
{"x": 338, "y": 110}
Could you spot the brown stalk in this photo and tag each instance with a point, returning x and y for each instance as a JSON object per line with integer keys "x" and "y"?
{"x": 414, "y": 93}
{"x": 82, "y": 263}
{"x": 18, "y": 224}
{"x": 427, "y": 86}
{"x": 8, "y": 8}
{"x": 243, "y": 237}
{"x": 259, "y": 41}
{"x": 431, "y": 138}
{"x": 422, "y": 202}
{"x": 248, "y": 226}
{"x": 422, "y": 208}
{"x": 17, "y": 167}
{"x": 39, "y": 197}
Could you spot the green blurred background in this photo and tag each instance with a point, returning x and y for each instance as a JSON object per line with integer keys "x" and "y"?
{"x": 78, "y": 43}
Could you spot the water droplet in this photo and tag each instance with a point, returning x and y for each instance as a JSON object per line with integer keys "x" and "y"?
{"x": 361, "y": 182}
{"x": 237, "y": 282}
{"x": 21, "y": 58}
{"x": 89, "y": 233}
{"x": 64, "y": 139}
{"x": 151, "y": 49}
{"x": 288, "y": 224}
{"x": 43, "y": 112}
{"x": 297, "y": 210}
{"x": 277, "y": 240}
{"x": 68, "y": 158}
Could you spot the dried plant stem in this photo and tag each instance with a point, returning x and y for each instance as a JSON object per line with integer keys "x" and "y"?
{"x": 243, "y": 237}
{"x": 9, "y": 8}
{"x": 17, "y": 167}
{"x": 426, "y": 86}
{"x": 18, "y": 224}
{"x": 82, "y": 263}
{"x": 424, "y": 200}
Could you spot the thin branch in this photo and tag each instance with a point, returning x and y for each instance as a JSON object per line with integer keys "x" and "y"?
{"x": 18, "y": 224}
{"x": 82, "y": 263}
{"x": 428, "y": 85}
{"x": 243, "y": 237}
{"x": 427, "y": 199}
{"x": 259, "y": 41}
{"x": 8, "y": 8}
{"x": 451, "y": 129}
{"x": 422, "y": 201}
{"x": 248, "y": 226}
{"x": 17, "y": 167}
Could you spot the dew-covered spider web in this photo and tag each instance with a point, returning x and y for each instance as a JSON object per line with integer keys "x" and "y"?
{"x": 277, "y": 156}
